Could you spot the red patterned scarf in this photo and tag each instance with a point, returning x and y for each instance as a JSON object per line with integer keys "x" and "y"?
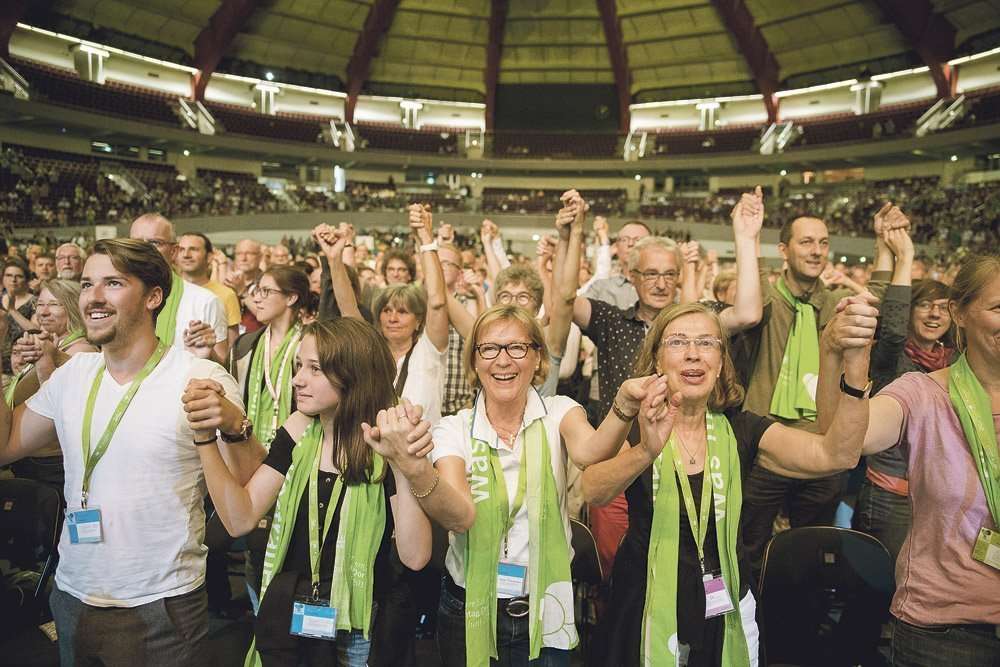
{"x": 937, "y": 358}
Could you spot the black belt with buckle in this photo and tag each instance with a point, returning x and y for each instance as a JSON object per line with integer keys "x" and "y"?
{"x": 514, "y": 607}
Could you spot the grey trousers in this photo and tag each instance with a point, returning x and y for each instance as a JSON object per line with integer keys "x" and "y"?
{"x": 169, "y": 631}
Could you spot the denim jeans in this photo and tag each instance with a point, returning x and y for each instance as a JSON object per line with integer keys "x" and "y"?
{"x": 512, "y": 638}
{"x": 954, "y": 646}
{"x": 884, "y": 515}
{"x": 350, "y": 650}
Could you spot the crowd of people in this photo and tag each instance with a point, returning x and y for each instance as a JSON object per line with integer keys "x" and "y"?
{"x": 415, "y": 428}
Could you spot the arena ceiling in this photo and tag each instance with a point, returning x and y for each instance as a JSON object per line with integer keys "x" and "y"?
{"x": 461, "y": 49}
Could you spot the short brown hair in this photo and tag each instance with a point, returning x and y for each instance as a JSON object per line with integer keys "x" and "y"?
{"x": 727, "y": 392}
{"x": 293, "y": 281}
{"x": 140, "y": 259}
{"x": 401, "y": 255}
{"x": 357, "y": 361}
{"x": 506, "y": 313}
{"x": 524, "y": 275}
{"x": 932, "y": 290}
{"x": 411, "y": 296}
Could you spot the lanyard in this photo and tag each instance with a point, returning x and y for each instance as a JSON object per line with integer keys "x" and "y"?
{"x": 317, "y": 539}
{"x": 699, "y": 524}
{"x": 276, "y": 392}
{"x": 522, "y": 485}
{"x": 90, "y": 459}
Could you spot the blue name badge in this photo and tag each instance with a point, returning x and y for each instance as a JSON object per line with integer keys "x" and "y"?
{"x": 512, "y": 579}
{"x": 84, "y": 526}
{"x": 313, "y": 619}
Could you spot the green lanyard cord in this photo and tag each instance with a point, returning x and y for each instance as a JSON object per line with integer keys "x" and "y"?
{"x": 698, "y": 520}
{"x": 317, "y": 539}
{"x": 91, "y": 459}
{"x": 522, "y": 485}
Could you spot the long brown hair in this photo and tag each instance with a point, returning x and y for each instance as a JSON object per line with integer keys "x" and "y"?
{"x": 727, "y": 392}
{"x": 357, "y": 361}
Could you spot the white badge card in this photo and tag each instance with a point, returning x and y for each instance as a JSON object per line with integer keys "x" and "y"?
{"x": 717, "y": 600}
{"x": 512, "y": 579}
{"x": 84, "y": 526}
{"x": 314, "y": 619}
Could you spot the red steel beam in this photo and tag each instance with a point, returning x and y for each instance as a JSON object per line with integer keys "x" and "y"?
{"x": 494, "y": 48}
{"x": 930, "y": 34}
{"x": 619, "y": 58}
{"x": 214, "y": 40}
{"x": 359, "y": 66}
{"x": 762, "y": 63}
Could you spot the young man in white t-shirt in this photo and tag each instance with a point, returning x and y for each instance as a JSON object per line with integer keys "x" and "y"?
{"x": 129, "y": 586}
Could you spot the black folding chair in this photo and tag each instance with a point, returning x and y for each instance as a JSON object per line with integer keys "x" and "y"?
{"x": 587, "y": 575}
{"x": 31, "y": 516}
{"x": 824, "y": 593}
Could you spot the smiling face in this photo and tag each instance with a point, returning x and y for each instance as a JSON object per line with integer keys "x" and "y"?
{"x": 930, "y": 320}
{"x": 980, "y": 322}
{"x": 504, "y": 378}
{"x": 192, "y": 256}
{"x": 692, "y": 368}
{"x": 807, "y": 249}
{"x": 50, "y": 314}
{"x": 114, "y": 304}
{"x": 314, "y": 393}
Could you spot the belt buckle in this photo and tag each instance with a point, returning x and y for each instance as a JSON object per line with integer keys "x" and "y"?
{"x": 517, "y": 607}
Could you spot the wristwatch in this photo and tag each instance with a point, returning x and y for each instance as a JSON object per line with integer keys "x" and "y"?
{"x": 246, "y": 430}
{"x": 851, "y": 391}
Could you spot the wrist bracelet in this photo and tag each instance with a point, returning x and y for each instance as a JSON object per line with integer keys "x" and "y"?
{"x": 621, "y": 414}
{"x": 420, "y": 496}
{"x": 429, "y": 247}
{"x": 202, "y": 443}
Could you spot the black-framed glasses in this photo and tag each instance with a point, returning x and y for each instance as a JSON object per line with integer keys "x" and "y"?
{"x": 266, "y": 292}
{"x": 514, "y": 350}
{"x": 652, "y": 277}
{"x": 522, "y": 299}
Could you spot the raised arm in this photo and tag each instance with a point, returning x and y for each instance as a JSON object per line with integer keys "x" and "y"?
{"x": 333, "y": 243}
{"x": 748, "y": 218}
{"x": 566, "y": 270}
{"x": 489, "y": 233}
{"x": 689, "y": 272}
{"x": 436, "y": 321}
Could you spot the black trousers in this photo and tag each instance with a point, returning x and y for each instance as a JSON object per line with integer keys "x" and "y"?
{"x": 810, "y": 502}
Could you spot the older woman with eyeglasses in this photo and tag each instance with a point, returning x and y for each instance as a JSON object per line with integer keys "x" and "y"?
{"x": 680, "y": 586}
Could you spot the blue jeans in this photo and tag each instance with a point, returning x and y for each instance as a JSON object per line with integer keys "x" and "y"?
{"x": 884, "y": 515}
{"x": 954, "y": 646}
{"x": 350, "y": 650}
{"x": 512, "y": 638}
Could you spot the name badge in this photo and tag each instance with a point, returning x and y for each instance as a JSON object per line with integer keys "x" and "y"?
{"x": 717, "y": 600}
{"x": 85, "y": 526}
{"x": 987, "y": 549}
{"x": 313, "y": 618}
{"x": 512, "y": 579}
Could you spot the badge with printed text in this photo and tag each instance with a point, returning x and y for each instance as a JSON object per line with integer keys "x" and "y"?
{"x": 512, "y": 579}
{"x": 717, "y": 600}
{"x": 313, "y": 618}
{"x": 84, "y": 526}
{"x": 987, "y": 549}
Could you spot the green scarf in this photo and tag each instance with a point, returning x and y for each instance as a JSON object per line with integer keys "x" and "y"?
{"x": 659, "y": 616}
{"x": 972, "y": 404}
{"x": 362, "y": 524}
{"x": 261, "y": 410}
{"x": 64, "y": 344}
{"x": 550, "y": 588}
{"x": 794, "y": 393}
{"x": 166, "y": 321}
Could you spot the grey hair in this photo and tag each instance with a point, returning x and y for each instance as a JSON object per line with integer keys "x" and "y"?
{"x": 654, "y": 242}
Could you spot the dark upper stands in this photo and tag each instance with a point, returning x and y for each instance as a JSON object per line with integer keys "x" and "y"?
{"x": 556, "y": 145}
{"x": 284, "y": 127}
{"x": 519, "y": 200}
{"x": 440, "y": 140}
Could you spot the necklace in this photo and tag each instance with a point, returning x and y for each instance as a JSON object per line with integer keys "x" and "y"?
{"x": 686, "y": 450}
{"x": 505, "y": 434}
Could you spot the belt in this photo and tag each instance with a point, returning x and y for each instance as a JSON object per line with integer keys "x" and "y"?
{"x": 514, "y": 607}
{"x": 978, "y": 628}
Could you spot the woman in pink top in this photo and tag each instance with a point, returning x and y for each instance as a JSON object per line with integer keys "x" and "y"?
{"x": 947, "y": 603}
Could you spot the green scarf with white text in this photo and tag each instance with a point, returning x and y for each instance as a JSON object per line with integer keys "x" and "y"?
{"x": 359, "y": 534}
{"x": 261, "y": 410}
{"x": 795, "y": 390}
{"x": 166, "y": 320}
{"x": 659, "y": 616}
{"x": 975, "y": 412}
{"x": 550, "y": 588}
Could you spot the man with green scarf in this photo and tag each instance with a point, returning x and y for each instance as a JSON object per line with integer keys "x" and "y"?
{"x": 193, "y": 317}
{"x": 778, "y": 361}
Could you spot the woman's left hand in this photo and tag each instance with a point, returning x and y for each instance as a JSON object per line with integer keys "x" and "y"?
{"x": 853, "y": 326}
{"x": 633, "y": 391}
{"x": 399, "y": 434}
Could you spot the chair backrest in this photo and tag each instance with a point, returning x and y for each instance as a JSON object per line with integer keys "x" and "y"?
{"x": 824, "y": 594}
{"x": 586, "y": 565}
{"x": 30, "y": 521}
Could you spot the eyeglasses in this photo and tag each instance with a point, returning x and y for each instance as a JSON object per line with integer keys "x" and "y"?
{"x": 266, "y": 292}
{"x": 653, "y": 277}
{"x": 47, "y": 304}
{"x": 514, "y": 350}
{"x": 522, "y": 298}
{"x": 679, "y": 343}
{"x": 453, "y": 265}
{"x": 928, "y": 306}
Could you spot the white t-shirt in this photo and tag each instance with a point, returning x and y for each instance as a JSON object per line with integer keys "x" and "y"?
{"x": 425, "y": 378}
{"x": 149, "y": 485}
{"x": 453, "y": 437}
{"x": 198, "y": 303}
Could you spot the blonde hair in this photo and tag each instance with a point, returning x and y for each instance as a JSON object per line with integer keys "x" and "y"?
{"x": 727, "y": 392}
{"x": 67, "y": 293}
{"x": 976, "y": 272}
{"x": 505, "y": 313}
